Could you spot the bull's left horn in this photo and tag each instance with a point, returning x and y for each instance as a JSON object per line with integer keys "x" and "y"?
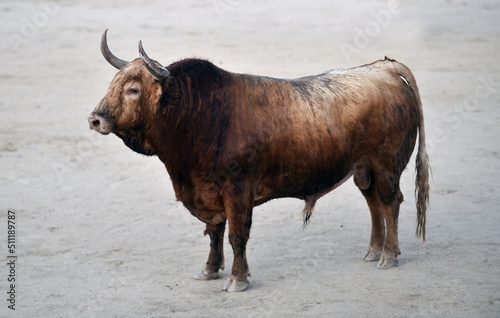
{"x": 159, "y": 72}
{"x": 110, "y": 57}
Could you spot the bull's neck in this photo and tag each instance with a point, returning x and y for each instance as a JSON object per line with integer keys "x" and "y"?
{"x": 188, "y": 129}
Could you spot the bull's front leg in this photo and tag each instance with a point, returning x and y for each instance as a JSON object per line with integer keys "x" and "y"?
{"x": 239, "y": 216}
{"x": 216, "y": 257}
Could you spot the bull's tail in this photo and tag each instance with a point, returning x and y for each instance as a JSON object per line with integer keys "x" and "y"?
{"x": 422, "y": 162}
{"x": 307, "y": 212}
{"x": 422, "y": 167}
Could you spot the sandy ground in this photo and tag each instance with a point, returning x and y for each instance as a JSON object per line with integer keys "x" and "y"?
{"x": 98, "y": 230}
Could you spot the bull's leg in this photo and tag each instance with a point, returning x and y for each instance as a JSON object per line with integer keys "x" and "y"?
{"x": 239, "y": 216}
{"x": 390, "y": 197}
{"x": 390, "y": 252}
{"x": 216, "y": 256}
{"x": 381, "y": 191}
{"x": 377, "y": 237}
{"x": 363, "y": 178}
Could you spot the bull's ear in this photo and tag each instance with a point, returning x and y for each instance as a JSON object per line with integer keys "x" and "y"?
{"x": 159, "y": 72}
{"x": 110, "y": 57}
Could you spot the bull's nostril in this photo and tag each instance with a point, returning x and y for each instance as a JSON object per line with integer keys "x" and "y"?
{"x": 99, "y": 124}
{"x": 94, "y": 122}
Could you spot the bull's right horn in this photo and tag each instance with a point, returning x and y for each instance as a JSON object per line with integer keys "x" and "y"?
{"x": 110, "y": 57}
{"x": 159, "y": 72}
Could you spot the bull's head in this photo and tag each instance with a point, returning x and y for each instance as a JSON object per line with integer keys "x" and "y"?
{"x": 132, "y": 98}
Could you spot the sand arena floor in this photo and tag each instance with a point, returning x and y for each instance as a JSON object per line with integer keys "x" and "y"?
{"x": 98, "y": 230}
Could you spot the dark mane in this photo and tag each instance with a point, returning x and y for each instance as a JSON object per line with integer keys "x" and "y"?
{"x": 193, "y": 67}
{"x": 196, "y": 119}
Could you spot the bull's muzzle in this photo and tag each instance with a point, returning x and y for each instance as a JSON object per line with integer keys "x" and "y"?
{"x": 99, "y": 124}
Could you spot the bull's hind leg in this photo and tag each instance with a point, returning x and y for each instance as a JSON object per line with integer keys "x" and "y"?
{"x": 390, "y": 252}
{"x": 383, "y": 197}
{"x": 216, "y": 256}
{"x": 390, "y": 197}
{"x": 363, "y": 180}
{"x": 377, "y": 237}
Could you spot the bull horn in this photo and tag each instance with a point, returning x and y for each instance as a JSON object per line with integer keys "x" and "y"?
{"x": 110, "y": 57}
{"x": 159, "y": 72}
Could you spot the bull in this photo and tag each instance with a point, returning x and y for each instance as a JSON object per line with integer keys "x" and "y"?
{"x": 231, "y": 142}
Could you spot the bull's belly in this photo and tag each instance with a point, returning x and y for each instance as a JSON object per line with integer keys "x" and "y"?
{"x": 290, "y": 186}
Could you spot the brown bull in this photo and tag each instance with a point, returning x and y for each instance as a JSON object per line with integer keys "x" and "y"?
{"x": 233, "y": 141}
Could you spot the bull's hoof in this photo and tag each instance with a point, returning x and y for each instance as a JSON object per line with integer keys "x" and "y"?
{"x": 386, "y": 262}
{"x": 371, "y": 255}
{"x": 234, "y": 285}
{"x": 206, "y": 274}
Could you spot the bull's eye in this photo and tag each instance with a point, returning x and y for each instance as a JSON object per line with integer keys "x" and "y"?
{"x": 132, "y": 91}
